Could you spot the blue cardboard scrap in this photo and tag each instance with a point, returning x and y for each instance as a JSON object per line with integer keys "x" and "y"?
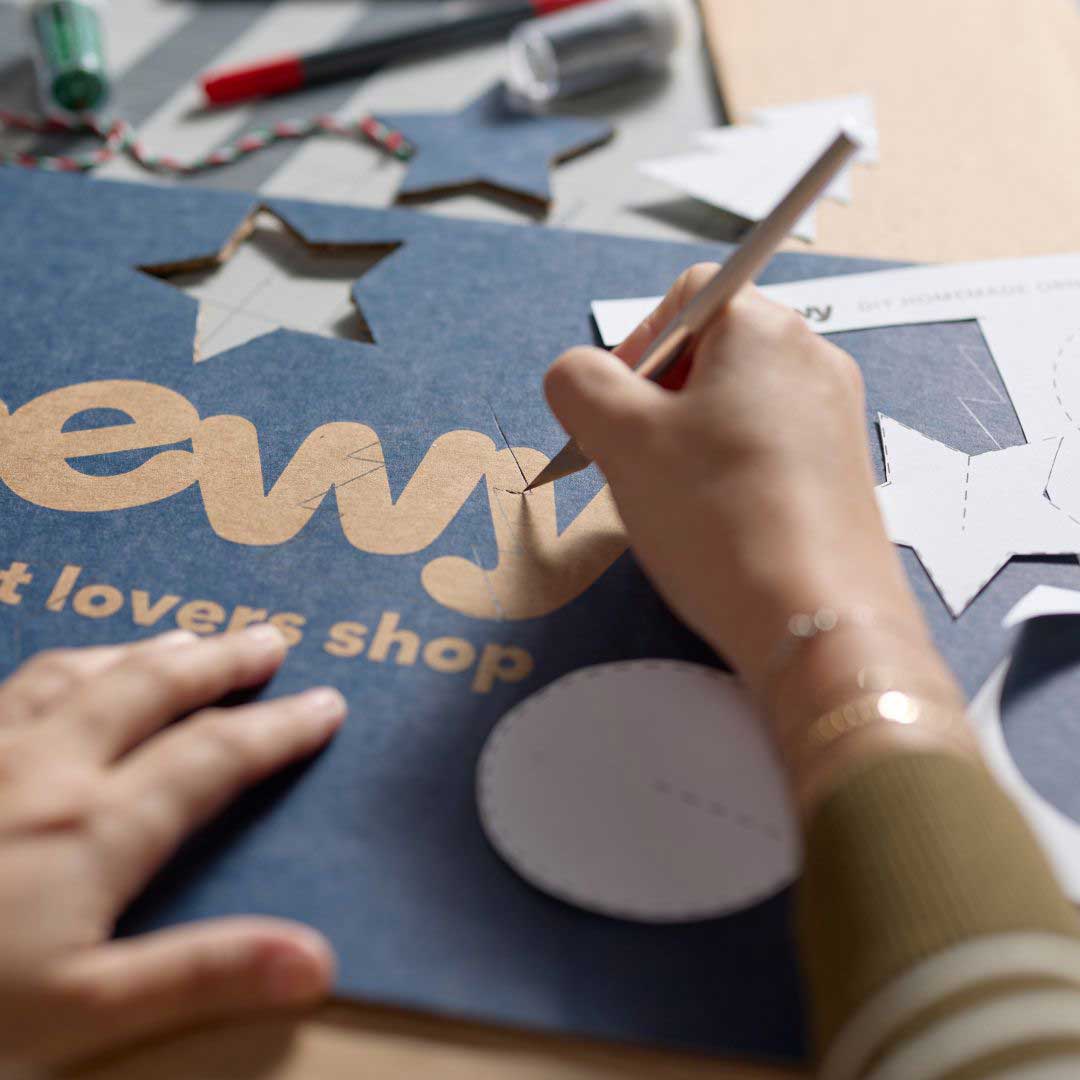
{"x": 490, "y": 144}
{"x": 377, "y": 841}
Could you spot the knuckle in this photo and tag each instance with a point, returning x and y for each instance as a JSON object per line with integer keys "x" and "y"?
{"x": 787, "y": 324}
{"x": 61, "y": 660}
{"x": 776, "y": 323}
{"x": 627, "y": 412}
{"x": 50, "y": 672}
{"x": 177, "y": 677}
{"x": 220, "y": 740}
{"x": 85, "y": 993}
{"x": 67, "y": 803}
{"x": 842, "y": 369}
{"x": 850, "y": 372}
{"x": 132, "y": 828}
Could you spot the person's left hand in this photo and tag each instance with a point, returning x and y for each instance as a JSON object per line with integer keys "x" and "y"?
{"x": 94, "y": 797}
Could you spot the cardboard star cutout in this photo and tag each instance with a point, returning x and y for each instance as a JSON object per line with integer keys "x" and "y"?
{"x": 966, "y": 516}
{"x": 268, "y": 277}
{"x": 490, "y": 146}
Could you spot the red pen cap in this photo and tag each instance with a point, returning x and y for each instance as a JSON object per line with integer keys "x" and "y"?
{"x": 276, "y": 76}
{"x": 548, "y": 7}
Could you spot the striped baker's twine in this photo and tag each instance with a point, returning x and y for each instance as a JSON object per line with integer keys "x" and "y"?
{"x": 119, "y": 137}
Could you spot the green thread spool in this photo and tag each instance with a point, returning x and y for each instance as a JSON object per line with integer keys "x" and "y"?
{"x": 70, "y": 55}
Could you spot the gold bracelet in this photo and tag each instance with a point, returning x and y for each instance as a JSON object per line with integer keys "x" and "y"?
{"x": 803, "y": 627}
{"x": 877, "y": 708}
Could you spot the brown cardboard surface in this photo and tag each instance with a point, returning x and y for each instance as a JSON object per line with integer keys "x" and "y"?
{"x": 978, "y": 103}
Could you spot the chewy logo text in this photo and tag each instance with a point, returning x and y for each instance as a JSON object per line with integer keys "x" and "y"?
{"x": 538, "y": 570}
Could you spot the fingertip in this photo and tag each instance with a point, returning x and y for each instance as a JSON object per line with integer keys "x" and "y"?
{"x": 599, "y": 401}
{"x": 326, "y": 705}
{"x": 298, "y": 968}
{"x": 265, "y": 649}
{"x": 267, "y": 637}
{"x": 693, "y": 280}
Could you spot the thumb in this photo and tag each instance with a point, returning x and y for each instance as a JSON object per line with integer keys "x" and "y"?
{"x": 600, "y": 402}
{"x": 128, "y": 990}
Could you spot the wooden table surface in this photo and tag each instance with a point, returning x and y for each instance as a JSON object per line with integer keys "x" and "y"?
{"x": 350, "y": 1042}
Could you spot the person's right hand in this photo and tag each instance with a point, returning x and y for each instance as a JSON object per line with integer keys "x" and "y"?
{"x": 749, "y": 493}
{"x": 96, "y": 792}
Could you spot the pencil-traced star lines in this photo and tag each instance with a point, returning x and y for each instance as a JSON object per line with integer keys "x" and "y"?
{"x": 967, "y": 516}
{"x": 268, "y": 278}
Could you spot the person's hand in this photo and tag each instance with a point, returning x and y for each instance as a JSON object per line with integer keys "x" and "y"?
{"x": 749, "y": 493}
{"x": 96, "y": 792}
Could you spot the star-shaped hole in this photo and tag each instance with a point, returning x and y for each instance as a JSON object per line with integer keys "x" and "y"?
{"x": 268, "y": 277}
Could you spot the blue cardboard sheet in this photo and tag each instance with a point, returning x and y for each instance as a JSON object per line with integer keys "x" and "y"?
{"x": 198, "y": 483}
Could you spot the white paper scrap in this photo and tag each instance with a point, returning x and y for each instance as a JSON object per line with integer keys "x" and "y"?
{"x": 644, "y": 790}
{"x": 966, "y": 516}
{"x": 784, "y": 153}
{"x": 749, "y": 188}
{"x": 1043, "y": 600}
{"x": 856, "y": 110}
{"x": 750, "y": 167}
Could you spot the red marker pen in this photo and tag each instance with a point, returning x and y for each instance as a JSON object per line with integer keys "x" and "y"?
{"x": 461, "y": 24}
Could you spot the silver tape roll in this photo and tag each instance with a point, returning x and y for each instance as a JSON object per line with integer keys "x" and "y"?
{"x": 586, "y": 47}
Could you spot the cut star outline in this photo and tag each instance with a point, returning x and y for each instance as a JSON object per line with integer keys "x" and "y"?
{"x": 491, "y": 148}
{"x": 929, "y": 483}
{"x": 371, "y": 254}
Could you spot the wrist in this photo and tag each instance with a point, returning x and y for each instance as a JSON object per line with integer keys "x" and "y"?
{"x": 793, "y": 560}
{"x": 861, "y": 687}
{"x": 934, "y": 729}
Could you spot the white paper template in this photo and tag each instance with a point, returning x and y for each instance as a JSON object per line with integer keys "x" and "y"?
{"x": 1029, "y": 314}
{"x": 1039, "y": 295}
{"x": 644, "y": 790}
{"x": 855, "y": 110}
{"x": 966, "y": 516}
{"x": 1058, "y": 833}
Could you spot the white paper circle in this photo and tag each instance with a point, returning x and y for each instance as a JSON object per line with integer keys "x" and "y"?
{"x": 644, "y": 789}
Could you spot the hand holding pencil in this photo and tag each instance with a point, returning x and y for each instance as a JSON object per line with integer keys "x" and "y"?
{"x": 678, "y": 337}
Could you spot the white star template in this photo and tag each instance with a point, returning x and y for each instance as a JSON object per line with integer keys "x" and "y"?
{"x": 966, "y": 516}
